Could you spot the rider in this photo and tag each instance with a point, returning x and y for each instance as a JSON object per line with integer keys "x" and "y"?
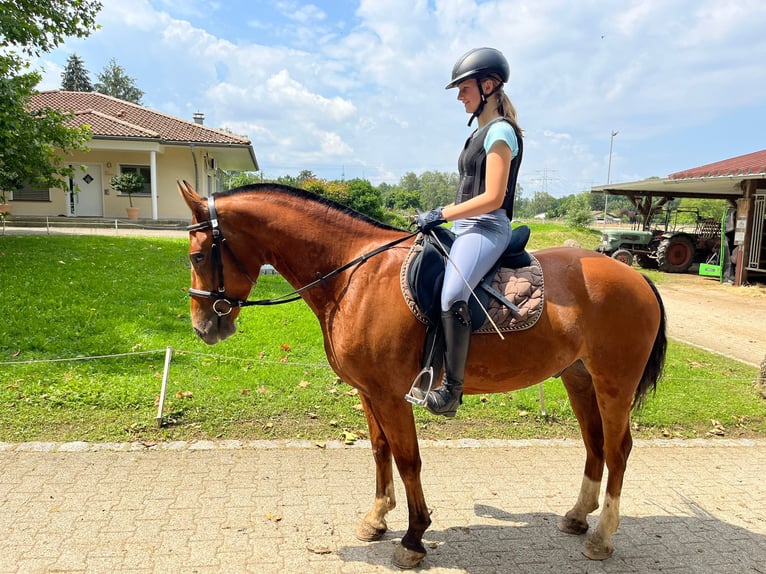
{"x": 483, "y": 207}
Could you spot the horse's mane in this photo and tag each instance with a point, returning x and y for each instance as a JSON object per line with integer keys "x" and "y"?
{"x": 308, "y": 196}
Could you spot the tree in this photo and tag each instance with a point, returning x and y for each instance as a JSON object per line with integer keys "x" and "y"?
{"x": 410, "y": 182}
{"x": 305, "y": 175}
{"x": 578, "y": 211}
{"x": 519, "y": 202}
{"x": 708, "y": 208}
{"x": 403, "y": 200}
{"x": 32, "y": 142}
{"x": 437, "y": 188}
{"x": 113, "y": 81}
{"x": 364, "y": 198}
{"x": 291, "y": 180}
{"x": 542, "y": 202}
{"x": 75, "y": 78}
{"x": 241, "y": 178}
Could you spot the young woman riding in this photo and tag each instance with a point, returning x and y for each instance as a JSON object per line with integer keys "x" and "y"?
{"x": 483, "y": 207}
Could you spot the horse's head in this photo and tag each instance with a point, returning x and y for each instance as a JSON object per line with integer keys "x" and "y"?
{"x": 219, "y": 282}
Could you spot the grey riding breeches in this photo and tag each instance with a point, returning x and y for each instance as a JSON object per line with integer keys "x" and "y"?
{"x": 479, "y": 243}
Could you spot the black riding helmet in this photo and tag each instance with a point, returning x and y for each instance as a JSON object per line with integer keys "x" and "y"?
{"x": 480, "y": 63}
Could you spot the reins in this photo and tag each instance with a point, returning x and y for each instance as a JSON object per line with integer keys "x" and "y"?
{"x": 220, "y": 243}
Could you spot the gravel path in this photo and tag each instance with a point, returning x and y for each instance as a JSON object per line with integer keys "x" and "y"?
{"x": 721, "y": 318}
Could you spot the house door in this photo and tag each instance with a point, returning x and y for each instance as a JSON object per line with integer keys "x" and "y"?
{"x": 89, "y": 200}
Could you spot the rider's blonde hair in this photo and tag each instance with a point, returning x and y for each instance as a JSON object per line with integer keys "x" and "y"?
{"x": 504, "y": 105}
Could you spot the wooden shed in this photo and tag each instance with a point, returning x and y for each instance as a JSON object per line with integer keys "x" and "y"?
{"x": 741, "y": 180}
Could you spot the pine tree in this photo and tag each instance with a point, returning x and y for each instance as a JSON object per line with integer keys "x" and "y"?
{"x": 74, "y": 78}
{"x": 113, "y": 81}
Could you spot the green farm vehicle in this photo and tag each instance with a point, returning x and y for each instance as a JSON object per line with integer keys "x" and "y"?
{"x": 672, "y": 248}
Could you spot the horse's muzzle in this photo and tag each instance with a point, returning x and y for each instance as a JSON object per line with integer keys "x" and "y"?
{"x": 214, "y": 329}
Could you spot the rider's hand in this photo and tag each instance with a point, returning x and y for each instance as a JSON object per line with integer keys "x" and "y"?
{"x": 430, "y": 219}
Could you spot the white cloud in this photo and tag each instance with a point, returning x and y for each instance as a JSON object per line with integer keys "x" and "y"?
{"x": 285, "y": 91}
{"x": 301, "y": 13}
{"x": 361, "y": 83}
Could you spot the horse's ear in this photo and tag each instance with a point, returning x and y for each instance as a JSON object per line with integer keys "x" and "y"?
{"x": 192, "y": 198}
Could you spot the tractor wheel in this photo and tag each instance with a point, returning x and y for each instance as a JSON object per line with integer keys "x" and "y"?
{"x": 624, "y": 256}
{"x": 675, "y": 254}
{"x": 646, "y": 262}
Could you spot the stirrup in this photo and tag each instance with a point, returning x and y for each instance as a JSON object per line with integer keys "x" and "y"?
{"x": 418, "y": 387}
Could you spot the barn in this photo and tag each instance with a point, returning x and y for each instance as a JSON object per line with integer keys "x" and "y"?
{"x": 740, "y": 180}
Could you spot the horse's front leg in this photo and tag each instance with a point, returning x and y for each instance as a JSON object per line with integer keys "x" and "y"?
{"x": 374, "y": 526}
{"x": 397, "y": 424}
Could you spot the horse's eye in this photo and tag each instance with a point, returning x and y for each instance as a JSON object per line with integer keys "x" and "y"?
{"x": 196, "y": 258}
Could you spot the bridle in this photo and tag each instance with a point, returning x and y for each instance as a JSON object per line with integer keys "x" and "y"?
{"x": 224, "y": 305}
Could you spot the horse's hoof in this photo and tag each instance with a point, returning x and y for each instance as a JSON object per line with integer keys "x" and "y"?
{"x": 596, "y": 549}
{"x": 368, "y": 533}
{"x": 406, "y": 559}
{"x": 572, "y": 525}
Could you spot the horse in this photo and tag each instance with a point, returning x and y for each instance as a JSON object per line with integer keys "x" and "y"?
{"x": 602, "y": 332}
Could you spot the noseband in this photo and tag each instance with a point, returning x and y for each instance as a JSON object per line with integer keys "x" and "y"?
{"x": 223, "y": 305}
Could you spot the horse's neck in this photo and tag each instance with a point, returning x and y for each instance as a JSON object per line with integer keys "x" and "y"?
{"x": 305, "y": 240}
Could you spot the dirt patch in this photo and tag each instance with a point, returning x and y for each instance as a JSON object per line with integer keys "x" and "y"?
{"x": 727, "y": 320}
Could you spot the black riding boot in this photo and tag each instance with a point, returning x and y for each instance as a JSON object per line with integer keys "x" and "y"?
{"x": 457, "y": 338}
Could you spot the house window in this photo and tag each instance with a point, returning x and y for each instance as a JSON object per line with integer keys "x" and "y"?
{"x": 143, "y": 171}
{"x": 32, "y": 193}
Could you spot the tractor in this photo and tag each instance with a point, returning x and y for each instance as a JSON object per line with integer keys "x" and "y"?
{"x": 672, "y": 248}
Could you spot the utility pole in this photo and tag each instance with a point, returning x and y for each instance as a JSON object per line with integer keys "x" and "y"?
{"x": 609, "y": 173}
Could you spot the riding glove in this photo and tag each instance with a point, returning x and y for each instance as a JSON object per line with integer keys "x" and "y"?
{"x": 430, "y": 219}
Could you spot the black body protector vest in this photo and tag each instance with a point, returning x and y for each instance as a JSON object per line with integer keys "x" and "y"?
{"x": 471, "y": 167}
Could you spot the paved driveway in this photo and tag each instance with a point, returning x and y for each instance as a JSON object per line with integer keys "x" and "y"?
{"x": 688, "y": 506}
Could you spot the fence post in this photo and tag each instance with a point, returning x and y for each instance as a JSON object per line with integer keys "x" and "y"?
{"x": 168, "y": 355}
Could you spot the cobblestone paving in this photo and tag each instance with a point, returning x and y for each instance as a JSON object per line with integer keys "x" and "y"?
{"x": 291, "y": 507}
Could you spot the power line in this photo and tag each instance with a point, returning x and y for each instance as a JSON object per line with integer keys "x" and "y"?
{"x": 545, "y": 178}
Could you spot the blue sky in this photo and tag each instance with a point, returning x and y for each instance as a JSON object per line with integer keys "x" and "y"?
{"x": 356, "y": 88}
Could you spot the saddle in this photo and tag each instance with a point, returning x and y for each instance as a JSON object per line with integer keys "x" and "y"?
{"x": 511, "y": 293}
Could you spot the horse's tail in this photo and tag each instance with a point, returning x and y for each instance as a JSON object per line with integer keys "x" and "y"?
{"x": 656, "y": 362}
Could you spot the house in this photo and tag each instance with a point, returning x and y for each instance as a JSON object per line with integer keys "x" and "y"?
{"x": 128, "y": 137}
{"x": 741, "y": 180}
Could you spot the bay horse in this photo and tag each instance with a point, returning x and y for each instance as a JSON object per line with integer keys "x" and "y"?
{"x": 602, "y": 331}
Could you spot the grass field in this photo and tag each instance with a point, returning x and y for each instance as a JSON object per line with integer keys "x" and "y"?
{"x": 87, "y": 321}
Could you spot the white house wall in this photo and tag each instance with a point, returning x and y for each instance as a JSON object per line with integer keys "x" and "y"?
{"x": 173, "y": 163}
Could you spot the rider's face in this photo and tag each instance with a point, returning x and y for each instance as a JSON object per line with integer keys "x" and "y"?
{"x": 468, "y": 94}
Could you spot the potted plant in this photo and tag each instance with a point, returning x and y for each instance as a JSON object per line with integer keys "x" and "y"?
{"x": 129, "y": 182}
{"x": 5, "y": 207}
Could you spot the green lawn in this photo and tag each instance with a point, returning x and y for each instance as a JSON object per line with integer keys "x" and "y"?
{"x": 87, "y": 321}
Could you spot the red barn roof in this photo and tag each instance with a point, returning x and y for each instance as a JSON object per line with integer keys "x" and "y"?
{"x": 743, "y": 165}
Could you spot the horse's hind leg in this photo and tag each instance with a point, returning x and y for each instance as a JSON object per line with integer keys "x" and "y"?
{"x": 582, "y": 396}
{"x": 602, "y": 406}
{"x": 374, "y": 526}
{"x": 617, "y": 446}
